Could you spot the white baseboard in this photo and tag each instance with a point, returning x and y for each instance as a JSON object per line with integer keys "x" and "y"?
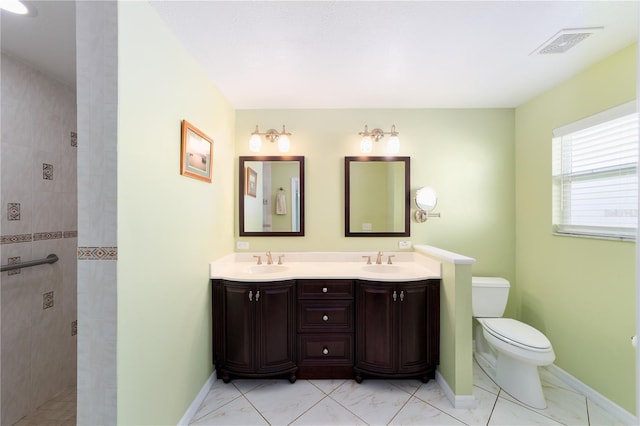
{"x": 458, "y": 401}
{"x": 195, "y": 404}
{"x": 592, "y": 395}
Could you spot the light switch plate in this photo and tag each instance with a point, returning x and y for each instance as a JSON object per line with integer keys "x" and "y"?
{"x": 242, "y": 245}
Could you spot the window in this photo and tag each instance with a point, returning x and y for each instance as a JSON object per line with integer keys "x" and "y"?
{"x": 595, "y": 183}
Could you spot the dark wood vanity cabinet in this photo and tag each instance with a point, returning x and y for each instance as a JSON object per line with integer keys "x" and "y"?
{"x": 325, "y": 329}
{"x": 254, "y": 333}
{"x": 397, "y": 329}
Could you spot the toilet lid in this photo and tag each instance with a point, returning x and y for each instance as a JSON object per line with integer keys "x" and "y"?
{"x": 517, "y": 333}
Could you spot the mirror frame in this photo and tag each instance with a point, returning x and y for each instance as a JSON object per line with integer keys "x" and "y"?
{"x": 241, "y": 181}
{"x": 407, "y": 196}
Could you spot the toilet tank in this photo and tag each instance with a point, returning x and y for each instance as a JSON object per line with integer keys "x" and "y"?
{"x": 489, "y": 296}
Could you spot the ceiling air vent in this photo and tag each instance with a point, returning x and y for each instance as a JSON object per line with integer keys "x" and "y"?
{"x": 565, "y": 39}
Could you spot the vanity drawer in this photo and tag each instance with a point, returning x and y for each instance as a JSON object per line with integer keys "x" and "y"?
{"x": 325, "y": 316}
{"x": 325, "y": 289}
{"x": 325, "y": 349}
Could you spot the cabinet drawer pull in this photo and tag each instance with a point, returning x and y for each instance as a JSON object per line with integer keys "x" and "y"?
{"x": 395, "y": 296}
{"x": 325, "y": 350}
{"x": 325, "y": 318}
{"x": 257, "y": 295}
{"x": 324, "y": 289}
{"x": 402, "y": 295}
{"x": 250, "y": 296}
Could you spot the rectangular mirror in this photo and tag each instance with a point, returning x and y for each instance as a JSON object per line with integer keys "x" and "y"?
{"x": 377, "y": 196}
{"x": 271, "y": 196}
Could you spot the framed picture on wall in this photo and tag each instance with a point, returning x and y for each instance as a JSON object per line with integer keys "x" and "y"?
{"x": 252, "y": 182}
{"x": 196, "y": 154}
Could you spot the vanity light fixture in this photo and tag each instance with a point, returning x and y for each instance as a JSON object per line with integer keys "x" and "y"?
{"x": 426, "y": 200}
{"x": 368, "y": 137}
{"x": 272, "y": 135}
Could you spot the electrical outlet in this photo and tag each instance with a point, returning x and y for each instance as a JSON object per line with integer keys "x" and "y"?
{"x": 242, "y": 245}
{"x": 366, "y": 227}
{"x": 404, "y": 244}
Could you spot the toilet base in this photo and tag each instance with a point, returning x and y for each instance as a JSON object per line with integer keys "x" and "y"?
{"x": 520, "y": 380}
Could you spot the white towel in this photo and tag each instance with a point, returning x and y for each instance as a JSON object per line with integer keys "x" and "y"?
{"x": 281, "y": 204}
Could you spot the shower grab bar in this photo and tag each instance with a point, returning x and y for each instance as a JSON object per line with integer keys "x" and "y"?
{"x": 52, "y": 258}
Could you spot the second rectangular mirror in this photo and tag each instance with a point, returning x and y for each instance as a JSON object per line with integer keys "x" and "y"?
{"x": 271, "y": 201}
{"x": 377, "y": 194}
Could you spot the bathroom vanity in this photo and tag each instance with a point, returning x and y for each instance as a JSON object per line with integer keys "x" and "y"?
{"x": 325, "y": 316}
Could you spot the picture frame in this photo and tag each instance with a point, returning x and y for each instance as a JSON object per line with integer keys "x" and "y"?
{"x": 252, "y": 182}
{"x": 196, "y": 153}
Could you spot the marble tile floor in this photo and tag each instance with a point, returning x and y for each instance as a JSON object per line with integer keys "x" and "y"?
{"x": 58, "y": 411}
{"x": 388, "y": 402}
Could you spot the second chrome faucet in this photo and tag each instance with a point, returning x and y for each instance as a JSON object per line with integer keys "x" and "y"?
{"x": 379, "y": 258}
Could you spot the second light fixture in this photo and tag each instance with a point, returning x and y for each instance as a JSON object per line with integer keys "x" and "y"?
{"x": 368, "y": 137}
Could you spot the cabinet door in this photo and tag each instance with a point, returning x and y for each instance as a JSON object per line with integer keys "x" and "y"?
{"x": 275, "y": 323}
{"x": 239, "y": 330}
{"x": 375, "y": 327}
{"x": 412, "y": 328}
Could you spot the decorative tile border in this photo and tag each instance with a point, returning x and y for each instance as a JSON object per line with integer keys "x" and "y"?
{"x": 21, "y": 238}
{"x": 37, "y": 236}
{"x": 97, "y": 253}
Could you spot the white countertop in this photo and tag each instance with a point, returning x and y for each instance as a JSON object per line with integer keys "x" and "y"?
{"x": 407, "y": 266}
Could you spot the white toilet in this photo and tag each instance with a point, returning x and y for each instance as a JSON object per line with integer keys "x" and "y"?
{"x": 508, "y": 350}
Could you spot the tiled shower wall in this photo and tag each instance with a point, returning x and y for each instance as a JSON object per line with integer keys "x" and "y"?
{"x": 97, "y": 89}
{"x": 38, "y": 206}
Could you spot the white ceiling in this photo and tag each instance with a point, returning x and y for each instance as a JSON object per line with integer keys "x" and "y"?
{"x": 361, "y": 54}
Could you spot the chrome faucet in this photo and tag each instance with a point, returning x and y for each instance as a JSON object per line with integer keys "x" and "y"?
{"x": 379, "y": 258}
{"x": 269, "y": 258}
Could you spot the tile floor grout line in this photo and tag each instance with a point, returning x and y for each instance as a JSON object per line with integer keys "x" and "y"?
{"x": 193, "y": 420}
{"x": 308, "y": 409}
{"x": 495, "y": 402}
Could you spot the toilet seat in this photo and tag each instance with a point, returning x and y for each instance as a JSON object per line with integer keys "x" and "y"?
{"x": 516, "y": 333}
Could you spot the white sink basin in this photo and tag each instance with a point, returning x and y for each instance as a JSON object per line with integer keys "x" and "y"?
{"x": 383, "y": 269}
{"x": 266, "y": 269}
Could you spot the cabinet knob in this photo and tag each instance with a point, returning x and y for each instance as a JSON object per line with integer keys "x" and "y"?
{"x": 324, "y": 289}
{"x": 250, "y": 296}
{"x": 325, "y": 318}
{"x": 402, "y": 295}
{"x": 325, "y": 350}
{"x": 395, "y": 296}
{"x": 257, "y": 295}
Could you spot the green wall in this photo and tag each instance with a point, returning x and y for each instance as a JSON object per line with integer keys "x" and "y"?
{"x": 466, "y": 155}
{"x": 579, "y": 292}
{"x": 169, "y": 226}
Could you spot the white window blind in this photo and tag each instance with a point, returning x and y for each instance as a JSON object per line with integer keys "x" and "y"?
{"x": 595, "y": 183}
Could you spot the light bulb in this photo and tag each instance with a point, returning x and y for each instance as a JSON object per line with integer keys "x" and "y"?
{"x": 283, "y": 143}
{"x": 14, "y": 6}
{"x": 255, "y": 143}
{"x": 366, "y": 145}
{"x": 393, "y": 144}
